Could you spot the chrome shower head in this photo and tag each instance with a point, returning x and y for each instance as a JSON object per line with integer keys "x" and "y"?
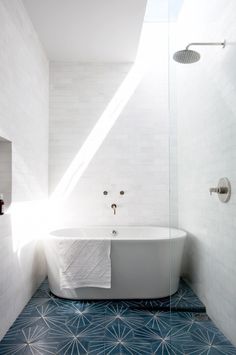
{"x": 187, "y": 56}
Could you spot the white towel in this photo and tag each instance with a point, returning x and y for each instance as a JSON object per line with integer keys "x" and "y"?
{"x": 84, "y": 263}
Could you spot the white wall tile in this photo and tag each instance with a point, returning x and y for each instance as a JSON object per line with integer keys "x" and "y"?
{"x": 5, "y": 172}
{"x": 134, "y": 156}
{"x": 23, "y": 121}
{"x": 206, "y": 152}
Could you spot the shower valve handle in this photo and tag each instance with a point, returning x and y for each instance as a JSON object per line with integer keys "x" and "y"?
{"x": 223, "y": 190}
{"x": 219, "y": 190}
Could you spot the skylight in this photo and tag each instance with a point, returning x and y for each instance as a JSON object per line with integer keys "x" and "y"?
{"x": 162, "y": 10}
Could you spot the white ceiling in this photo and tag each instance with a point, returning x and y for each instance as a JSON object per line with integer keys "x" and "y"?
{"x": 88, "y": 30}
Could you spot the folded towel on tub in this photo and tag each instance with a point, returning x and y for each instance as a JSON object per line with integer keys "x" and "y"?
{"x": 84, "y": 263}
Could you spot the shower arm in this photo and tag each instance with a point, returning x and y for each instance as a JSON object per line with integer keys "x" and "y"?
{"x": 206, "y": 44}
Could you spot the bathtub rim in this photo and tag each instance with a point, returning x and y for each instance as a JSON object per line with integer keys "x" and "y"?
{"x": 177, "y": 233}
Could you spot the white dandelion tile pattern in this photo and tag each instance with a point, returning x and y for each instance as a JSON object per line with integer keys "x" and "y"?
{"x": 52, "y": 326}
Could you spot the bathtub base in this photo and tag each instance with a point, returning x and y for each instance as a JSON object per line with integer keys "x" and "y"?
{"x": 93, "y": 293}
{"x": 140, "y": 270}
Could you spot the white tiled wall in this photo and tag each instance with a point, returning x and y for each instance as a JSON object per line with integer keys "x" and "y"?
{"x": 133, "y": 157}
{"x": 206, "y": 116}
{"x": 5, "y": 172}
{"x": 24, "y": 122}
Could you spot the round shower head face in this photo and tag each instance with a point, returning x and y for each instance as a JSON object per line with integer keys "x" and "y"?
{"x": 186, "y": 56}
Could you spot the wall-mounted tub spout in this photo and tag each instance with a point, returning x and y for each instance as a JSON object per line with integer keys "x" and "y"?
{"x": 114, "y": 207}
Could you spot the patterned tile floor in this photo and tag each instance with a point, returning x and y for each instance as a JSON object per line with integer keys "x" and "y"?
{"x": 49, "y": 325}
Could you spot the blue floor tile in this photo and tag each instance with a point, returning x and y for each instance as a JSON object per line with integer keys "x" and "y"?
{"x": 50, "y": 325}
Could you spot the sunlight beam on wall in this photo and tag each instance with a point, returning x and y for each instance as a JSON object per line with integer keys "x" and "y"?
{"x": 108, "y": 117}
{"x": 28, "y": 222}
{"x": 99, "y": 133}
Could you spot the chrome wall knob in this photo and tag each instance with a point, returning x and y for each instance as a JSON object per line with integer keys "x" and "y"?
{"x": 223, "y": 190}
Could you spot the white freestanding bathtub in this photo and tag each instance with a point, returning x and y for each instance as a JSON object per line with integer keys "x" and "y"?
{"x": 146, "y": 262}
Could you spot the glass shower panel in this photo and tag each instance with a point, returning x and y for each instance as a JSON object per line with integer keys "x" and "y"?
{"x": 202, "y": 109}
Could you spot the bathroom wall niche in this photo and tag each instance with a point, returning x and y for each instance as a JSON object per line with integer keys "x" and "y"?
{"x": 6, "y": 171}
